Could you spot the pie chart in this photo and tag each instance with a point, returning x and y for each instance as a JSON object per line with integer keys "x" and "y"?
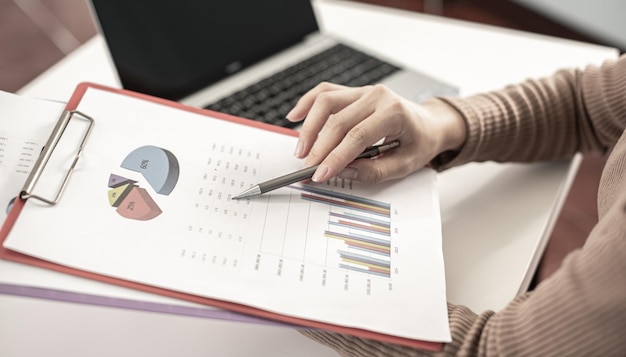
{"x": 10, "y": 205}
{"x": 159, "y": 167}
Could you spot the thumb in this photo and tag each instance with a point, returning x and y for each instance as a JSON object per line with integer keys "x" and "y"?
{"x": 383, "y": 168}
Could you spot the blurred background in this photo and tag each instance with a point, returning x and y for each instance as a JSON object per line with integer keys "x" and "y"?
{"x": 35, "y": 34}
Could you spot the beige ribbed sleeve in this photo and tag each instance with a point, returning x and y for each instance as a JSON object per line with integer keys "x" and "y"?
{"x": 581, "y": 309}
{"x": 545, "y": 119}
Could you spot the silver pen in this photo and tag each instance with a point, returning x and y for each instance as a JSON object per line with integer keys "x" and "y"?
{"x": 308, "y": 172}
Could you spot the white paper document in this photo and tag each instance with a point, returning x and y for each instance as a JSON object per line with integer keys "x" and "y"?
{"x": 149, "y": 202}
{"x": 25, "y": 125}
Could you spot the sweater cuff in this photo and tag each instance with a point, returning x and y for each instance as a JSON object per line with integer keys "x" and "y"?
{"x": 468, "y": 152}
{"x": 465, "y": 328}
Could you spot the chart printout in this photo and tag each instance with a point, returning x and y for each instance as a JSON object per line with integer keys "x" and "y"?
{"x": 150, "y": 202}
{"x": 25, "y": 125}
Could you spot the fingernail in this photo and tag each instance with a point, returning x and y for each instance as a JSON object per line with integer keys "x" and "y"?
{"x": 289, "y": 115}
{"x": 349, "y": 173}
{"x": 320, "y": 174}
{"x": 299, "y": 149}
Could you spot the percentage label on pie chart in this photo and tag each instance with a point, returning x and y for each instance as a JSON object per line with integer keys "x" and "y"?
{"x": 160, "y": 169}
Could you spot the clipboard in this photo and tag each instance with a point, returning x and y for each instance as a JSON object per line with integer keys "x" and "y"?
{"x": 29, "y": 192}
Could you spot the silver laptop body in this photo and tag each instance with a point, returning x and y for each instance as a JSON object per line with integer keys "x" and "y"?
{"x": 199, "y": 52}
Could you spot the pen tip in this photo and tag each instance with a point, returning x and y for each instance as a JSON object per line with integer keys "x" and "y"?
{"x": 252, "y": 191}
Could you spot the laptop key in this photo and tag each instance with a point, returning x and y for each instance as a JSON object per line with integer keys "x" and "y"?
{"x": 271, "y": 98}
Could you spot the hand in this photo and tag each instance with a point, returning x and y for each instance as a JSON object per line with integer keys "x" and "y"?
{"x": 342, "y": 121}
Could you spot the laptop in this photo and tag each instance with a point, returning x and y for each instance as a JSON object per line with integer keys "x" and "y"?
{"x": 250, "y": 58}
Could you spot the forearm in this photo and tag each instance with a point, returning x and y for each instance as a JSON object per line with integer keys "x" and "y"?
{"x": 546, "y": 119}
{"x": 523, "y": 123}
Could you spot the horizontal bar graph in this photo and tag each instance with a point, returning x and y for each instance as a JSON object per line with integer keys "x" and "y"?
{"x": 365, "y": 264}
{"x": 363, "y": 226}
{"x": 341, "y": 200}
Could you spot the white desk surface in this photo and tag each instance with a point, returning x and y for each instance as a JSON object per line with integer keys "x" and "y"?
{"x": 496, "y": 217}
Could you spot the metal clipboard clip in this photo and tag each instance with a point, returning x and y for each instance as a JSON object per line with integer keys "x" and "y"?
{"x": 47, "y": 151}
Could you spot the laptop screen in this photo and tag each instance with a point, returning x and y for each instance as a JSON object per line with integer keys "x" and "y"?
{"x": 172, "y": 49}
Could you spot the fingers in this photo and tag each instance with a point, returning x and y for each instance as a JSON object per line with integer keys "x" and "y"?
{"x": 389, "y": 166}
{"x": 345, "y": 127}
{"x": 341, "y": 122}
{"x": 299, "y": 112}
{"x": 335, "y": 154}
{"x": 318, "y": 106}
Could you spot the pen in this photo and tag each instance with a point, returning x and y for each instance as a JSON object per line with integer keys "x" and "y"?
{"x": 307, "y": 173}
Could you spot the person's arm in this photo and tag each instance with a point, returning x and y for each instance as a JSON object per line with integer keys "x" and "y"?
{"x": 580, "y": 309}
{"x": 546, "y": 119}
{"x": 341, "y": 122}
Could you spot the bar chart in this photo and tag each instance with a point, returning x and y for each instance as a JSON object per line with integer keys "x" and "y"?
{"x": 363, "y": 225}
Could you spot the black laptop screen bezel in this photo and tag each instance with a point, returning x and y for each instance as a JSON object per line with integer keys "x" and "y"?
{"x": 172, "y": 49}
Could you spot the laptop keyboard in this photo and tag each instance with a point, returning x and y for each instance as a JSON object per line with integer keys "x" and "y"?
{"x": 270, "y": 99}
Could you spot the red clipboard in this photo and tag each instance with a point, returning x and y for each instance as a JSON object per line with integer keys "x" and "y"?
{"x": 13, "y": 214}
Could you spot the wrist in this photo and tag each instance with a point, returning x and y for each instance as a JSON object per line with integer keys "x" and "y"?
{"x": 450, "y": 125}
